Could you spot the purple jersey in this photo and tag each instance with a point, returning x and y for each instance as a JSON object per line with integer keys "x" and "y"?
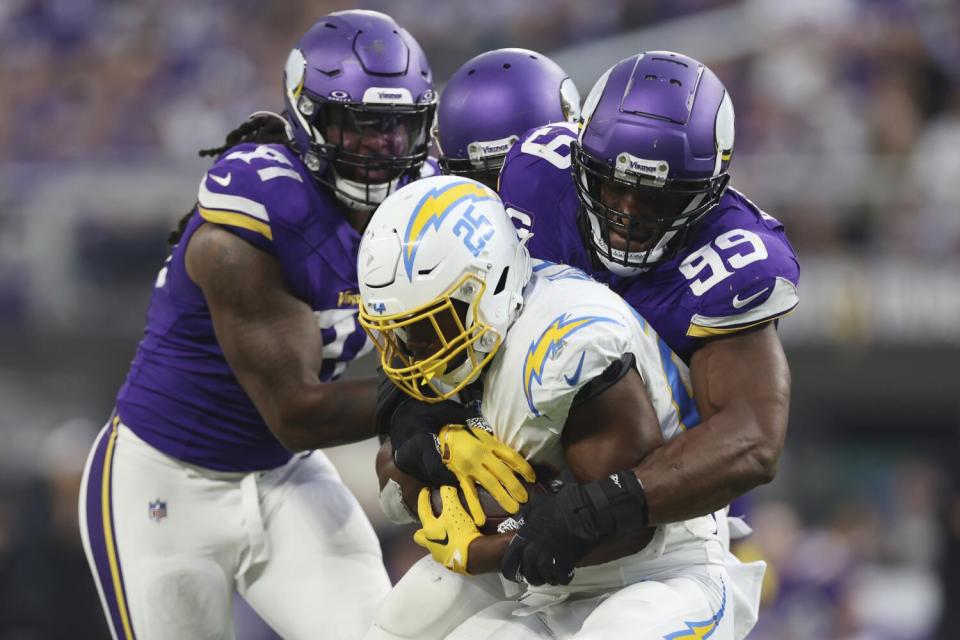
{"x": 537, "y": 188}
{"x": 180, "y": 394}
{"x": 736, "y": 268}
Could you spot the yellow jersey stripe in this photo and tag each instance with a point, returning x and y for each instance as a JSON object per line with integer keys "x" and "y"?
{"x": 229, "y": 202}
{"x": 698, "y": 331}
{"x": 234, "y": 219}
{"x": 108, "y": 532}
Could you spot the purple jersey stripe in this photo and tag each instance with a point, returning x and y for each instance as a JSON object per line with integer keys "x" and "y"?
{"x": 100, "y": 531}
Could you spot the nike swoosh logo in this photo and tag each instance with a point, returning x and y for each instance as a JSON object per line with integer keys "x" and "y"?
{"x": 737, "y": 302}
{"x": 444, "y": 540}
{"x": 575, "y": 378}
{"x": 223, "y": 182}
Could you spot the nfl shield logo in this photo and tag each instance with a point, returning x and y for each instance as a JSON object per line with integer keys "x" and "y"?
{"x": 158, "y": 510}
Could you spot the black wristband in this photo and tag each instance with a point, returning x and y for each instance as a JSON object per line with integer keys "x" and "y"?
{"x": 619, "y": 503}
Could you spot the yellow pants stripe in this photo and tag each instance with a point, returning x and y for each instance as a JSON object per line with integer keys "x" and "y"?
{"x": 108, "y": 532}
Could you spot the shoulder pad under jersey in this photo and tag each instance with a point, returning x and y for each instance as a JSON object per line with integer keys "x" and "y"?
{"x": 741, "y": 269}
{"x": 252, "y": 189}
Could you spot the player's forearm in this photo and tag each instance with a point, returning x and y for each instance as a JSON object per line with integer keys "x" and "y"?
{"x": 326, "y": 415}
{"x": 705, "y": 468}
{"x": 486, "y": 552}
{"x": 741, "y": 384}
{"x": 616, "y": 547}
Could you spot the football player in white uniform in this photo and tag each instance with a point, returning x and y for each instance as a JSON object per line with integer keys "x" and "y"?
{"x": 571, "y": 377}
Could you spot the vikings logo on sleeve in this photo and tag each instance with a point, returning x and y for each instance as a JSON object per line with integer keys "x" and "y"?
{"x": 434, "y": 207}
{"x": 547, "y": 347}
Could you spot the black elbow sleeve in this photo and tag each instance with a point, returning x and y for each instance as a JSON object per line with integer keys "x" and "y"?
{"x": 610, "y": 376}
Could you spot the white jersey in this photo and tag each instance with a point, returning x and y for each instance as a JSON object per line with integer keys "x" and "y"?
{"x": 569, "y": 331}
{"x": 683, "y": 584}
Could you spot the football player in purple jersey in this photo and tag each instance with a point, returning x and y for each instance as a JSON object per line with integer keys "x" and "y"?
{"x": 640, "y": 197}
{"x": 493, "y": 99}
{"x": 203, "y": 481}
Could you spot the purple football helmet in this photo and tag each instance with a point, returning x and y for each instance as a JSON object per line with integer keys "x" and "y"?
{"x": 491, "y": 101}
{"x": 652, "y": 157}
{"x": 359, "y": 97}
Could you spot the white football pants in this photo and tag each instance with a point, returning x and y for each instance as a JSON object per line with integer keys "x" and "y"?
{"x": 168, "y": 543}
{"x": 695, "y": 603}
{"x": 684, "y": 597}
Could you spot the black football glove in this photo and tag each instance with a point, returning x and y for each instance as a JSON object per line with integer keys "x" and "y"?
{"x": 547, "y": 546}
{"x": 420, "y": 457}
{"x": 413, "y": 430}
{"x": 557, "y": 531}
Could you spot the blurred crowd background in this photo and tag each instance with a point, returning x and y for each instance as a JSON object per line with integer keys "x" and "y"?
{"x": 848, "y": 130}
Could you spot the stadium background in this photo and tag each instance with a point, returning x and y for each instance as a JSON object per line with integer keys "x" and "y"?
{"x": 848, "y": 130}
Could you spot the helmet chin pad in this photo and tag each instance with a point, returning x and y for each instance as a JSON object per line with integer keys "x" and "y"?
{"x": 362, "y": 196}
{"x": 619, "y": 262}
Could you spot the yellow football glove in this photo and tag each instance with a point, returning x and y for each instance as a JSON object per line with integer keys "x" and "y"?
{"x": 447, "y": 536}
{"x": 476, "y": 456}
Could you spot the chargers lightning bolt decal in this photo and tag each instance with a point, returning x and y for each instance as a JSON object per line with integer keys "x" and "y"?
{"x": 546, "y": 345}
{"x": 432, "y": 209}
{"x": 702, "y": 630}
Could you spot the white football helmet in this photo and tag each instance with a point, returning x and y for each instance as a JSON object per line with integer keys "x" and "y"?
{"x": 440, "y": 262}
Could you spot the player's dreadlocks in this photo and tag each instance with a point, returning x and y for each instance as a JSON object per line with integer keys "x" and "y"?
{"x": 263, "y": 127}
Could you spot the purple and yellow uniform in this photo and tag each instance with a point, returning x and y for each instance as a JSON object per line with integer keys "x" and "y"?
{"x": 736, "y": 268}
{"x": 180, "y": 395}
{"x": 188, "y": 497}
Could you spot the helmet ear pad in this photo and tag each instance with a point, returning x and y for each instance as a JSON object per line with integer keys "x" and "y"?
{"x": 662, "y": 124}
